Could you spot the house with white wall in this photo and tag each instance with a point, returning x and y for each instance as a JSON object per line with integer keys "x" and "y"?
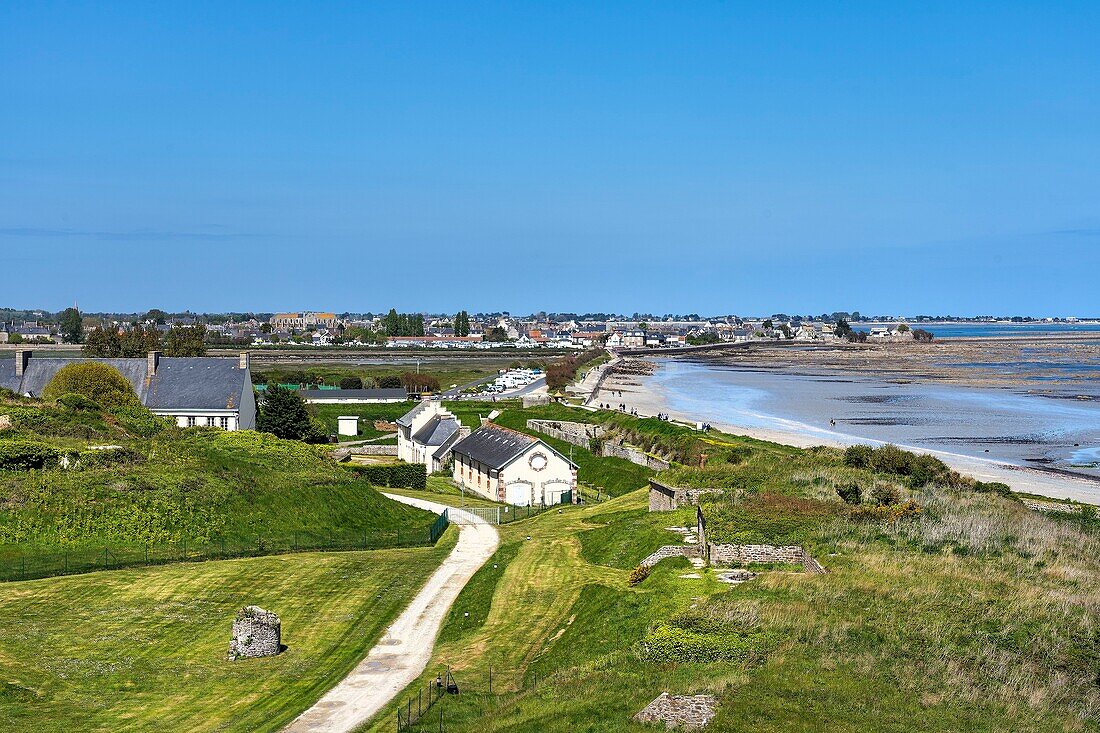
{"x": 427, "y": 433}
{"x": 199, "y": 391}
{"x": 508, "y": 466}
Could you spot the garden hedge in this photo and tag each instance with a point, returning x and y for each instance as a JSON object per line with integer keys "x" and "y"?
{"x": 395, "y": 475}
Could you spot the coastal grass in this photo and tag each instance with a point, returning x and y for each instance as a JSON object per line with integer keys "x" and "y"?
{"x": 973, "y": 613}
{"x": 145, "y": 649}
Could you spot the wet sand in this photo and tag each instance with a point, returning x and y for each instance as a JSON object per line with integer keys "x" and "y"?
{"x": 639, "y": 392}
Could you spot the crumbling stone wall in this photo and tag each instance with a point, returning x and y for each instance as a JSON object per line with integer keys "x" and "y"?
{"x": 256, "y": 633}
{"x": 581, "y": 434}
{"x": 690, "y": 712}
{"x": 670, "y": 551}
{"x": 745, "y": 554}
{"x": 663, "y": 498}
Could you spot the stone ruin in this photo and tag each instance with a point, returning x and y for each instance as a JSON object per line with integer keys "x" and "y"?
{"x": 256, "y": 633}
{"x": 690, "y": 712}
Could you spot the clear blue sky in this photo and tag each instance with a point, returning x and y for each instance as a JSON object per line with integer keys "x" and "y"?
{"x": 667, "y": 157}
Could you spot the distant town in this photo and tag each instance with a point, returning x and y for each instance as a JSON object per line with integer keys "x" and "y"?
{"x": 107, "y": 334}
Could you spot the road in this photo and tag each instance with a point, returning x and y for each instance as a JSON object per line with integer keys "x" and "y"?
{"x": 403, "y": 653}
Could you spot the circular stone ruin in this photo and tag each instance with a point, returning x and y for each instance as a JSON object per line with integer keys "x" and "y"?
{"x": 256, "y": 633}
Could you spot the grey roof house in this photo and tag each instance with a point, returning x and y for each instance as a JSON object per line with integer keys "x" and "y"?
{"x": 195, "y": 391}
{"x": 426, "y": 434}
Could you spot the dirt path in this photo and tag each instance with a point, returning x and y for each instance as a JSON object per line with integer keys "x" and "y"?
{"x": 401, "y": 655}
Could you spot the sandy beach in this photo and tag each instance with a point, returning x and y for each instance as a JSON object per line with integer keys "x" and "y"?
{"x": 638, "y": 393}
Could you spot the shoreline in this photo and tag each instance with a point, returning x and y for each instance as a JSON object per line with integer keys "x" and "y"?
{"x": 641, "y": 394}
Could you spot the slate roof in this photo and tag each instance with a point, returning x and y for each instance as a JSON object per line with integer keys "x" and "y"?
{"x": 181, "y": 383}
{"x": 493, "y": 445}
{"x": 437, "y": 431}
{"x": 396, "y": 394}
{"x": 406, "y": 420}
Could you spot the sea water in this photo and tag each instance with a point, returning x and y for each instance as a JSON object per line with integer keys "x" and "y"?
{"x": 1000, "y": 424}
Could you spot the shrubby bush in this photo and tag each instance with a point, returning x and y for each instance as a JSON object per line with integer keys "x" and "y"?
{"x": 94, "y": 380}
{"x": 672, "y": 642}
{"x": 637, "y": 575}
{"x": 76, "y": 401}
{"x": 26, "y": 455}
{"x": 395, "y": 475}
{"x": 108, "y": 458}
{"x": 885, "y": 494}
{"x": 850, "y": 493}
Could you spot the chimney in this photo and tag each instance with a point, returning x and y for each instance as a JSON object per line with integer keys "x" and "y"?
{"x": 244, "y": 360}
{"x": 22, "y": 360}
{"x": 152, "y": 364}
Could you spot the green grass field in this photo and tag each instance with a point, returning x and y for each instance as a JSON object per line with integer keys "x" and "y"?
{"x": 972, "y": 614}
{"x": 143, "y": 650}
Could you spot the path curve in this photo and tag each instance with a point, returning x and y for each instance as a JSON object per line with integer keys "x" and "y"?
{"x": 401, "y": 655}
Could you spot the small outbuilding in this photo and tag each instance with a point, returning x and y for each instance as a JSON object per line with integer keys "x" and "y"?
{"x": 348, "y": 425}
{"x": 512, "y": 467}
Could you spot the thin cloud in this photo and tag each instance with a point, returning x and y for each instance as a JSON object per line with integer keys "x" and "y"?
{"x": 135, "y": 235}
{"x": 1086, "y": 232}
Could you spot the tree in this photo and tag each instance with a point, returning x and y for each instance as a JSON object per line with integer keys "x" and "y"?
{"x": 496, "y": 333}
{"x": 139, "y": 341}
{"x": 462, "y": 324}
{"x": 923, "y": 336}
{"x": 768, "y": 325}
{"x": 843, "y": 329}
{"x": 351, "y": 383}
{"x": 157, "y": 316}
{"x": 419, "y": 383}
{"x": 15, "y": 338}
{"x": 72, "y": 326}
{"x": 102, "y": 342}
{"x": 392, "y": 323}
{"x": 95, "y": 380}
{"x": 390, "y": 381}
{"x": 186, "y": 341}
{"x": 903, "y": 328}
{"x": 265, "y": 328}
{"x": 283, "y": 413}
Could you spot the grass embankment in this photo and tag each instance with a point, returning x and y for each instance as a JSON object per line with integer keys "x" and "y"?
{"x": 968, "y": 613}
{"x": 166, "y": 485}
{"x": 145, "y": 649}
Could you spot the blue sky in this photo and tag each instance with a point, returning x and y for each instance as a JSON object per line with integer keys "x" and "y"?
{"x": 667, "y": 157}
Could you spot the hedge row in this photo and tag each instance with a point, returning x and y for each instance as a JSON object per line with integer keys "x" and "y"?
{"x": 25, "y": 455}
{"x": 395, "y": 475}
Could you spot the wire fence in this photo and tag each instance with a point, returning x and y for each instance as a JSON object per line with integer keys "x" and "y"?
{"x": 507, "y": 514}
{"x": 33, "y": 562}
{"x": 436, "y": 704}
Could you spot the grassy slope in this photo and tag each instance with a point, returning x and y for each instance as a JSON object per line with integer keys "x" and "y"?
{"x": 138, "y": 650}
{"x": 195, "y": 485}
{"x": 979, "y": 615}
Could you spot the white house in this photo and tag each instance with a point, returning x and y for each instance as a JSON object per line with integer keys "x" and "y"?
{"x": 195, "y": 391}
{"x": 505, "y": 465}
{"x": 427, "y": 433}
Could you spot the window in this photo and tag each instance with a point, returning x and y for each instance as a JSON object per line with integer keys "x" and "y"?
{"x": 209, "y": 422}
{"x": 190, "y": 421}
{"x": 224, "y": 423}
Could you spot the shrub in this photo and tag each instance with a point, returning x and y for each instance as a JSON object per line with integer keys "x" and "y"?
{"x": 108, "y": 458}
{"x": 886, "y": 512}
{"x": 140, "y": 422}
{"x": 395, "y": 475}
{"x": 992, "y": 487}
{"x": 885, "y": 495}
{"x": 283, "y": 413}
{"x": 858, "y": 456}
{"x": 637, "y": 575}
{"x": 891, "y": 459}
{"x": 94, "y": 380}
{"x": 851, "y": 493}
{"x": 672, "y": 643}
{"x": 351, "y": 383}
{"x": 390, "y": 381}
{"x": 76, "y": 401}
{"x": 25, "y": 455}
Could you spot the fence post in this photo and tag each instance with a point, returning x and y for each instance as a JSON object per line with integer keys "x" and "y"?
{"x": 106, "y": 564}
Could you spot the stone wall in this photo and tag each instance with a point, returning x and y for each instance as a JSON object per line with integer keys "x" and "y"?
{"x": 256, "y": 633}
{"x": 690, "y": 712}
{"x": 373, "y": 450}
{"x": 664, "y": 498}
{"x": 634, "y": 455}
{"x": 745, "y": 554}
{"x": 670, "y": 551}
{"x": 581, "y": 434}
